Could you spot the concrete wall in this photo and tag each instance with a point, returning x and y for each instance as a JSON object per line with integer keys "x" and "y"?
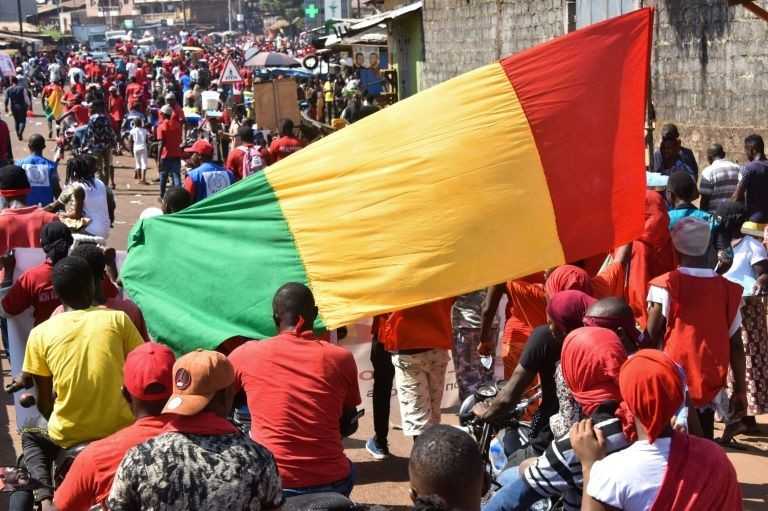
{"x": 460, "y": 35}
{"x": 710, "y": 73}
{"x": 406, "y": 50}
{"x": 9, "y": 10}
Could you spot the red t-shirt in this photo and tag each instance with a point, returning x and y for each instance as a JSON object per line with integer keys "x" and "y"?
{"x": 169, "y": 133}
{"x": 284, "y": 147}
{"x": 422, "y": 327}
{"x": 33, "y": 289}
{"x": 81, "y": 114}
{"x": 89, "y": 479}
{"x": 20, "y": 227}
{"x": 296, "y": 389}
{"x": 116, "y": 108}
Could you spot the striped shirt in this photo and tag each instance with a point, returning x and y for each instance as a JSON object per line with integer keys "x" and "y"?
{"x": 719, "y": 182}
{"x": 557, "y": 472}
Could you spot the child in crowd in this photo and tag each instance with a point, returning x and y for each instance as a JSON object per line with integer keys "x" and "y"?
{"x": 139, "y": 137}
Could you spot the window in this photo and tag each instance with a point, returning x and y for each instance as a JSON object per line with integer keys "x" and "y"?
{"x": 592, "y": 11}
{"x": 570, "y": 16}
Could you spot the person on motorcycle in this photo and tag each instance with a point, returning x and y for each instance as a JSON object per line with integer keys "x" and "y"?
{"x": 100, "y": 142}
{"x": 446, "y": 470}
{"x": 591, "y": 359}
{"x": 201, "y": 461}
{"x": 206, "y": 177}
{"x": 302, "y": 393}
{"x": 61, "y": 360}
{"x": 147, "y": 385}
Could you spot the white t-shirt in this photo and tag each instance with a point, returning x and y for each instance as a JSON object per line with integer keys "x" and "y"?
{"x": 96, "y": 208}
{"x": 746, "y": 253}
{"x": 76, "y": 71}
{"x": 139, "y": 137}
{"x": 630, "y": 479}
{"x": 661, "y": 295}
{"x": 130, "y": 69}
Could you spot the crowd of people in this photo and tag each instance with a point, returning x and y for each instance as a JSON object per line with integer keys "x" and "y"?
{"x": 637, "y": 352}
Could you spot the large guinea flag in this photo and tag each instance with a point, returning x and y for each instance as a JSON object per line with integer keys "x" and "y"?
{"x": 519, "y": 165}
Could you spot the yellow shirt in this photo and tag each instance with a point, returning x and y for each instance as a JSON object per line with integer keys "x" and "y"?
{"x": 84, "y": 352}
{"x": 328, "y": 89}
{"x": 54, "y": 101}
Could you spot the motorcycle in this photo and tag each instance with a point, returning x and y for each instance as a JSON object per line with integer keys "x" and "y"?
{"x": 503, "y": 440}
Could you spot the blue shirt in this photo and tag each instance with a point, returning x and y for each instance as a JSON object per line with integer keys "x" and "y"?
{"x": 186, "y": 82}
{"x": 41, "y": 174}
{"x": 208, "y": 179}
{"x": 683, "y": 210}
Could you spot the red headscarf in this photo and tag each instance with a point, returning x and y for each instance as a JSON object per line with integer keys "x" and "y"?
{"x": 652, "y": 390}
{"x": 567, "y": 309}
{"x": 568, "y": 277}
{"x": 591, "y": 360}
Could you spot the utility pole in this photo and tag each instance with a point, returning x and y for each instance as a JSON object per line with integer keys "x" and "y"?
{"x": 21, "y": 21}
{"x": 229, "y": 17}
{"x": 184, "y": 12}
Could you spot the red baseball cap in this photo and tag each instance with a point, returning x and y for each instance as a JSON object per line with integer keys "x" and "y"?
{"x": 148, "y": 372}
{"x": 200, "y": 147}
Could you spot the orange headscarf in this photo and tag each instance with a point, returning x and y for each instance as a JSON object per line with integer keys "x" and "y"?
{"x": 652, "y": 390}
{"x": 591, "y": 360}
{"x": 568, "y": 277}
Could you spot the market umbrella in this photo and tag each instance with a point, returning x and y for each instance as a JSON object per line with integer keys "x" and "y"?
{"x": 271, "y": 59}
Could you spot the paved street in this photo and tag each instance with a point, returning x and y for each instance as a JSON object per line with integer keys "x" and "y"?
{"x": 381, "y": 482}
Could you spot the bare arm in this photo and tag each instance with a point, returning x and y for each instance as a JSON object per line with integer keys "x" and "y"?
{"x": 490, "y": 305}
{"x": 44, "y": 386}
{"x": 657, "y": 324}
{"x": 740, "y": 192}
{"x": 509, "y": 395}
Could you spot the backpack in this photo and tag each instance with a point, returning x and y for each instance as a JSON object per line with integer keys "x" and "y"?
{"x": 252, "y": 160}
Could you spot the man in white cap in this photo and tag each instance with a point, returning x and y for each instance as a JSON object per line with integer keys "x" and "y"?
{"x": 178, "y": 112}
{"x": 202, "y": 461}
{"x": 694, "y": 316}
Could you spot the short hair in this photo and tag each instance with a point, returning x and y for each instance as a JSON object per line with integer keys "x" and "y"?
{"x": 72, "y": 281}
{"x": 755, "y": 141}
{"x": 286, "y": 127}
{"x": 245, "y": 133}
{"x": 716, "y": 151}
{"x": 94, "y": 256}
{"x": 294, "y": 300}
{"x": 732, "y": 215}
{"x": 669, "y": 132}
{"x": 681, "y": 183}
{"x": 443, "y": 455}
{"x": 176, "y": 199}
{"x": 37, "y": 142}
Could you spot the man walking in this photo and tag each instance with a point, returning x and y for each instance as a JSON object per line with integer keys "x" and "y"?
{"x": 171, "y": 153}
{"x": 41, "y": 173}
{"x": 18, "y": 103}
{"x": 718, "y": 180}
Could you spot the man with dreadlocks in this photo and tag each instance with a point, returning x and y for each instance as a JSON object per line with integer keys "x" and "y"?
{"x": 89, "y": 206}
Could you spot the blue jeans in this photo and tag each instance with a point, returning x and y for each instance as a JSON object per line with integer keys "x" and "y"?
{"x": 515, "y": 493}
{"x": 344, "y": 486}
{"x": 170, "y": 166}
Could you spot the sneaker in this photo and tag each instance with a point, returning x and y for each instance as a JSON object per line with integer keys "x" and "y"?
{"x": 377, "y": 451}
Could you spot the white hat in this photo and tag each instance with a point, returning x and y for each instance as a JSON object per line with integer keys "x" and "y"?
{"x": 167, "y": 110}
{"x": 170, "y": 95}
{"x": 150, "y": 212}
{"x": 691, "y": 235}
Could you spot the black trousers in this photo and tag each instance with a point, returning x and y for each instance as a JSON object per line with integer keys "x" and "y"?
{"x": 707, "y": 421}
{"x": 19, "y": 118}
{"x": 383, "y": 379}
{"x": 39, "y": 453}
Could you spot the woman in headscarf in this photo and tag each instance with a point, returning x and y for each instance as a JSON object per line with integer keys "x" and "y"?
{"x": 745, "y": 261}
{"x": 34, "y": 288}
{"x": 591, "y": 360}
{"x": 652, "y": 255}
{"x": 540, "y": 357}
{"x": 662, "y": 470}
{"x": 608, "y": 282}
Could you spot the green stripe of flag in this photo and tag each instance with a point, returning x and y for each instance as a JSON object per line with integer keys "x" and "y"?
{"x": 238, "y": 246}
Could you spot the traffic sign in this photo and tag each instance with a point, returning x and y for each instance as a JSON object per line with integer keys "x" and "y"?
{"x": 229, "y": 74}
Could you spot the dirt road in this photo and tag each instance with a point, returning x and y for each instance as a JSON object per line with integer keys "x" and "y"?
{"x": 381, "y": 482}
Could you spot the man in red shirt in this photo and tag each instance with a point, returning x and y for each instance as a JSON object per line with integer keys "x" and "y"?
{"x": 147, "y": 385}
{"x": 34, "y": 288}
{"x": 134, "y": 91}
{"x": 419, "y": 339}
{"x": 237, "y": 155}
{"x": 169, "y": 135}
{"x": 302, "y": 393}
{"x": 286, "y": 144}
{"x": 116, "y": 108}
{"x": 79, "y": 111}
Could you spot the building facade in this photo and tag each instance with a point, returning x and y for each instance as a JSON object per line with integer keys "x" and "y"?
{"x": 708, "y": 64}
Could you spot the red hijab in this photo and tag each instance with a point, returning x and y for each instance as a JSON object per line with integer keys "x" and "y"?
{"x": 566, "y": 309}
{"x": 652, "y": 389}
{"x": 568, "y": 277}
{"x": 591, "y": 360}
